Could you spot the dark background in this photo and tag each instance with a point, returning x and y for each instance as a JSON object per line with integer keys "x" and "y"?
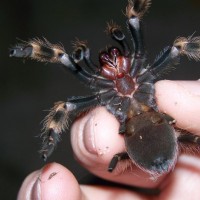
{"x": 28, "y": 88}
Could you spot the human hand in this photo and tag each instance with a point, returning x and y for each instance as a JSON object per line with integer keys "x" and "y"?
{"x": 95, "y": 140}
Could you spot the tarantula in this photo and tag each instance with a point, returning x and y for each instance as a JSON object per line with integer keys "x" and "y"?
{"x": 124, "y": 84}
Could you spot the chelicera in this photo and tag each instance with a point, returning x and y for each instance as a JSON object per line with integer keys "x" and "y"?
{"x": 123, "y": 83}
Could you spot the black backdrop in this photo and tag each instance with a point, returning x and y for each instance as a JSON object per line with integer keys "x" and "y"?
{"x": 28, "y": 88}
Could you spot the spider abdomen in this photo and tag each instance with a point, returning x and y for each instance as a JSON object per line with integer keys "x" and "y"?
{"x": 151, "y": 142}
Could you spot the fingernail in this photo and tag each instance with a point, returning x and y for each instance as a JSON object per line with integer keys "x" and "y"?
{"x": 35, "y": 191}
{"x": 89, "y": 136}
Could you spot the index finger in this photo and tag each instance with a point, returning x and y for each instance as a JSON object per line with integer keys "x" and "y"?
{"x": 180, "y": 100}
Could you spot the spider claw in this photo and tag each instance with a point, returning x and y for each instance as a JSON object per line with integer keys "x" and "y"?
{"x": 49, "y": 143}
{"x": 81, "y": 51}
{"x": 115, "y": 30}
{"x": 21, "y": 51}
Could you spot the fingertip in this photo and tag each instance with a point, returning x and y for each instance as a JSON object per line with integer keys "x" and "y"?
{"x": 28, "y": 186}
{"x": 185, "y": 177}
{"x": 180, "y": 100}
{"x": 57, "y": 182}
{"x": 52, "y": 182}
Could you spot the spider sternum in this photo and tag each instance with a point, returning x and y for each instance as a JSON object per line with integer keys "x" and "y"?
{"x": 126, "y": 85}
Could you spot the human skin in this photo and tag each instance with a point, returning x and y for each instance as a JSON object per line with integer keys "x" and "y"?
{"x": 95, "y": 140}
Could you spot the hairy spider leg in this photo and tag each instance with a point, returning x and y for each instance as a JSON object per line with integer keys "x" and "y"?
{"x": 56, "y": 122}
{"x": 170, "y": 57}
{"x": 116, "y": 158}
{"x": 187, "y": 137}
{"x": 116, "y": 33}
{"x": 90, "y": 80}
{"x": 134, "y": 11}
{"x": 82, "y": 52}
{"x": 44, "y": 51}
{"x": 167, "y": 59}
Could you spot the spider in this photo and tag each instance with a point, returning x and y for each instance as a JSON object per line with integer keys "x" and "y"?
{"x": 124, "y": 84}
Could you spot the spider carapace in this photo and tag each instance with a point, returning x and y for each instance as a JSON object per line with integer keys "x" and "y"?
{"x": 124, "y": 84}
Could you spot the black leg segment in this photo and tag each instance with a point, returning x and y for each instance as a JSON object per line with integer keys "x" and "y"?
{"x": 116, "y": 33}
{"x": 170, "y": 57}
{"x": 116, "y": 158}
{"x": 82, "y": 52}
{"x": 189, "y": 138}
{"x": 56, "y": 121}
{"x": 134, "y": 11}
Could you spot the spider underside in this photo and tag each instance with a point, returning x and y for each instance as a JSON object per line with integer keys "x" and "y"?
{"x": 124, "y": 84}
